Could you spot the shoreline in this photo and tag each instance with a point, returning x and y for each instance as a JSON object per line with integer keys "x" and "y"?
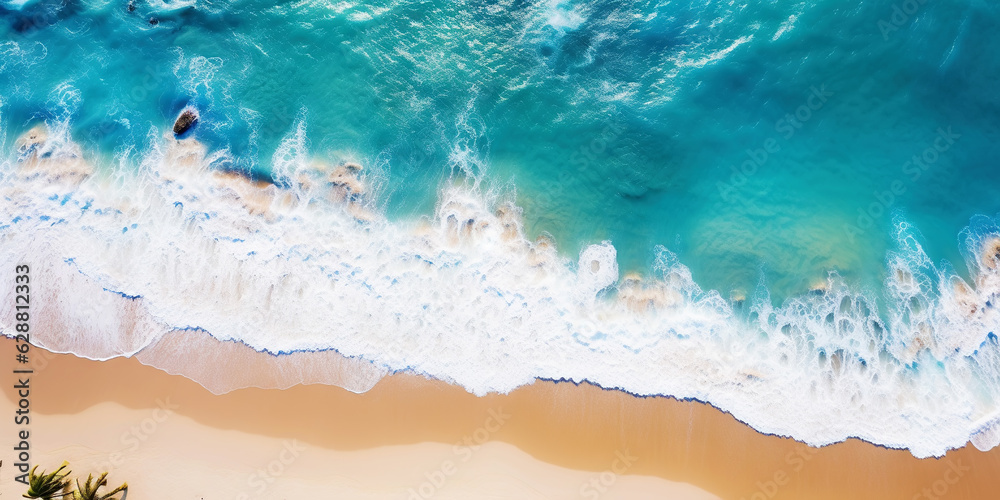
{"x": 327, "y": 281}
{"x": 578, "y": 427}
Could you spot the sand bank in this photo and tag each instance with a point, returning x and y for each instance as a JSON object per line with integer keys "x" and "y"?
{"x": 547, "y": 439}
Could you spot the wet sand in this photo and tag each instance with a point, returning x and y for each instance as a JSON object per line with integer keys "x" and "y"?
{"x": 412, "y": 425}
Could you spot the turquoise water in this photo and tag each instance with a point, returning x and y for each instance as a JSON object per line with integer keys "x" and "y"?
{"x": 614, "y": 120}
{"x": 723, "y": 151}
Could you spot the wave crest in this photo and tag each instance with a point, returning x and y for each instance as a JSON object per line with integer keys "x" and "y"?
{"x": 311, "y": 272}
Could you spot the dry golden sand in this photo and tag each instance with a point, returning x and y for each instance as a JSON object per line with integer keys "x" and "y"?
{"x": 405, "y": 427}
{"x": 172, "y": 457}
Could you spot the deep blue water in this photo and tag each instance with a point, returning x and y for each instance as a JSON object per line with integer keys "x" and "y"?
{"x": 614, "y": 120}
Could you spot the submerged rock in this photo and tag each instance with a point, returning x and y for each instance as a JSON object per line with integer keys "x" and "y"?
{"x": 256, "y": 196}
{"x": 640, "y": 296}
{"x": 990, "y": 256}
{"x": 31, "y": 140}
{"x": 509, "y": 216}
{"x": 342, "y": 185}
{"x": 187, "y": 119}
{"x": 38, "y": 157}
{"x": 346, "y": 186}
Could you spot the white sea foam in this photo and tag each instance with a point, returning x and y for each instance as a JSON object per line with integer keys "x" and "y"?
{"x": 167, "y": 6}
{"x": 120, "y": 266}
{"x": 562, "y": 17}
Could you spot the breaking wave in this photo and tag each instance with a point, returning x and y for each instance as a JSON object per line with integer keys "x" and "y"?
{"x": 136, "y": 262}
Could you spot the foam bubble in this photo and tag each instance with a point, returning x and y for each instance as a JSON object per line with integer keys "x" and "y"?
{"x": 988, "y": 437}
{"x": 16, "y": 54}
{"x": 198, "y": 76}
{"x": 292, "y": 154}
{"x": 561, "y": 16}
{"x": 167, "y": 6}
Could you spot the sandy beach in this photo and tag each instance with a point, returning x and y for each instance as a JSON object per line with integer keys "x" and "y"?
{"x": 171, "y": 438}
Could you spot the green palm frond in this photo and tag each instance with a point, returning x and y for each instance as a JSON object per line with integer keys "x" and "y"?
{"x": 88, "y": 490}
{"x": 48, "y": 486}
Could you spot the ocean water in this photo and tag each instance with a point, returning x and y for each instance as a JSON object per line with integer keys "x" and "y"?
{"x": 784, "y": 209}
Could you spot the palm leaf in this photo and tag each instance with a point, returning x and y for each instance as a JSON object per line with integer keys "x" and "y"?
{"x": 48, "y": 486}
{"x": 88, "y": 490}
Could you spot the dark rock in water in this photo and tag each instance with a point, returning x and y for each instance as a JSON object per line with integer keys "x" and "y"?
{"x": 185, "y": 121}
{"x": 154, "y": 21}
{"x": 131, "y": 6}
